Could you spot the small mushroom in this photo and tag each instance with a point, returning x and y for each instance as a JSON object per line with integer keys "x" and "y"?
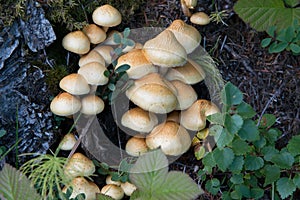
{"x": 93, "y": 73}
{"x": 81, "y": 185}
{"x": 172, "y": 138}
{"x": 128, "y": 188}
{"x": 106, "y": 52}
{"x": 136, "y": 146}
{"x": 74, "y": 84}
{"x": 79, "y": 165}
{"x": 76, "y": 42}
{"x": 200, "y": 18}
{"x": 194, "y": 118}
{"x": 110, "y": 37}
{"x": 68, "y": 142}
{"x": 95, "y": 34}
{"x": 65, "y": 104}
{"x": 191, "y": 73}
{"x": 139, "y": 120}
{"x": 164, "y": 50}
{"x": 109, "y": 180}
{"x": 173, "y": 116}
{"x": 186, "y": 95}
{"x": 153, "y": 93}
{"x": 107, "y": 16}
{"x": 91, "y": 105}
{"x": 114, "y": 191}
{"x": 191, "y": 4}
{"x": 92, "y": 56}
{"x": 187, "y": 35}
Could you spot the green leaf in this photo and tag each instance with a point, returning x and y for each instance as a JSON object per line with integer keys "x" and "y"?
{"x": 16, "y": 186}
{"x": 126, "y": 32}
{"x": 285, "y": 187}
{"x": 122, "y": 68}
{"x": 129, "y": 42}
{"x": 106, "y": 73}
{"x": 209, "y": 160}
{"x": 284, "y": 160}
{"x": 295, "y": 48}
{"x": 111, "y": 87}
{"x": 266, "y": 42}
{"x": 2, "y": 133}
{"x": 223, "y": 158}
{"x": 240, "y": 147}
{"x": 271, "y": 31}
{"x": 237, "y": 179}
{"x": 237, "y": 164}
{"x": 272, "y": 135}
{"x": 213, "y": 186}
{"x": 269, "y": 152}
{"x": 253, "y": 162}
{"x": 231, "y": 95}
{"x": 233, "y": 123}
{"x": 221, "y": 135}
{"x": 100, "y": 196}
{"x": 217, "y": 118}
{"x": 199, "y": 152}
{"x": 117, "y": 38}
{"x": 260, "y": 143}
{"x": 263, "y": 14}
{"x": 118, "y": 51}
{"x": 249, "y": 131}
{"x": 257, "y": 193}
{"x": 278, "y": 47}
{"x": 245, "y": 110}
{"x": 272, "y": 174}
{"x": 292, "y": 3}
{"x": 243, "y": 190}
{"x": 296, "y": 180}
{"x": 293, "y": 145}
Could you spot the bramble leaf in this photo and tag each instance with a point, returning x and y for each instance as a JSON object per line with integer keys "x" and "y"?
{"x": 253, "y": 162}
{"x": 217, "y": 118}
{"x": 272, "y": 174}
{"x": 240, "y": 147}
{"x": 269, "y": 152}
{"x": 293, "y": 145}
{"x": 221, "y": 135}
{"x": 267, "y": 120}
{"x": 237, "y": 164}
{"x": 231, "y": 95}
{"x": 223, "y": 158}
{"x": 285, "y": 187}
{"x": 233, "y": 123}
{"x": 245, "y": 110}
{"x": 237, "y": 179}
{"x": 213, "y": 186}
{"x": 249, "y": 131}
{"x": 284, "y": 160}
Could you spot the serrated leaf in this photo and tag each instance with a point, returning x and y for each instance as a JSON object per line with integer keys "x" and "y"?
{"x": 237, "y": 179}
{"x": 292, "y": 3}
{"x": 223, "y": 158}
{"x": 16, "y": 186}
{"x": 257, "y": 193}
{"x": 296, "y": 180}
{"x": 285, "y": 187}
{"x": 269, "y": 152}
{"x": 240, "y": 147}
{"x": 267, "y": 121}
{"x": 233, "y": 123}
{"x": 253, "y": 162}
{"x": 272, "y": 135}
{"x": 217, "y": 118}
{"x": 222, "y": 137}
{"x": 266, "y": 42}
{"x": 260, "y": 143}
{"x": 209, "y": 160}
{"x": 245, "y": 110}
{"x": 272, "y": 174}
{"x": 249, "y": 131}
{"x": 212, "y": 186}
{"x": 243, "y": 190}
{"x": 263, "y": 14}
{"x": 237, "y": 164}
{"x": 293, "y": 145}
{"x": 100, "y": 196}
{"x": 231, "y": 95}
{"x": 284, "y": 160}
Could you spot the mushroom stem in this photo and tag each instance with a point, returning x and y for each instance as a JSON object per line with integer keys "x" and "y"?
{"x": 93, "y": 89}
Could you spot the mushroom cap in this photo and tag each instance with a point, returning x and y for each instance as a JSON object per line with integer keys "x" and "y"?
{"x": 79, "y": 165}
{"x": 200, "y": 18}
{"x": 81, "y": 185}
{"x": 191, "y": 73}
{"x": 107, "y": 15}
{"x": 68, "y": 142}
{"x": 136, "y": 146}
{"x": 186, "y": 95}
{"x": 191, "y": 4}
{"x": 74, "y": 84}
{"x": 187, "y": 35}
{"x": 139, "y": 65}
{"x": 92, "y": 56}
{"x": 95, "y": 34}
{"x": 194, "y": 118}
{"x": 139, "y": 120}
{"x": 109, "y": 180}
{"x": 128, "y": 188}
{"x": 76, "y": 42}
{"x": 91, "y": 105}
{"x": 153, "y": 93}
{"x": 65, "y": 104}
{"x": 172, "y": 138}
{"x": 164, "y": 50}
{"x": 93, "y": 73}
{"x": 114, "y": 191}
{"x": 106, "y": 52}
{"x": 110, "y": 37}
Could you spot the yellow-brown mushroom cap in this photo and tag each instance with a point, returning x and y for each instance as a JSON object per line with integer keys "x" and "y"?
{"x": 136, "y": 146}
{"x": 93, "y": 73}
{"x": 65, "y": 104}
{"x": 74, "y": 84}
{"x": 107, "y": 15}
{"x": 76, "y": 42}
{"x": 95, "y": 34}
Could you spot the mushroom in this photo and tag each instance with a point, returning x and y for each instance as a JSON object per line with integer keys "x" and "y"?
{"x": 139, "y": 120}
{"x": 65, "y": 104}
{"x": 81, "y": 185}
{"x": 76, "y": 42}
{"x": 106, "y": 52}
{"x": 191, "y": 73}
{"x": 164, "y": 50}
{"x": 194, "y": 118}
{"x": 114, "y": 191}
{"x": 110, "y": 37}
{"x": 139, "y": 65}
{"x": 74, "y": 84}
{"x": 91, "y": 105}
{"x": 106, "y": 16}
{"x": 68, "y": 142}
{"x": 200, "y": 18}
{"x": 153, "y": 93}
{"x": 95, "y": 34}
{"x": 136, "y": 146}
{"x": 128, "y": 188}
{"x": 187, "y": 35}
{"x": 93, "y": 73}
{"x": 186, "y": 95}
{"x": 172, "y": 138}
{"x": 79, "y": 165}
{"x": 92, "y": 56}
{"x": 109, "y": 180}
{"x": 173, "y": 116}
{"x": 191, "y": 4}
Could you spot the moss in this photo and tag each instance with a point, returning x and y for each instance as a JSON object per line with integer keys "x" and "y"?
{"x": 53, "y": 77}
{"x": 10, "y": 10}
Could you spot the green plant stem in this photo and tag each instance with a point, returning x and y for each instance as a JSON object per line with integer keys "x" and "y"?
{"x": 17, "y": 138}
{"x": 11, "y": 148}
